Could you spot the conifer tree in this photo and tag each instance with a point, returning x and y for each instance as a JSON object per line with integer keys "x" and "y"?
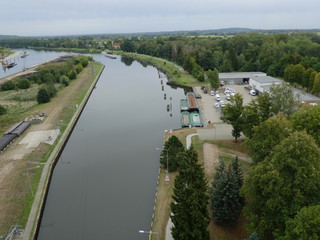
{"x": 226, "y": 202}
{"x": 172, "y": 147}
{"x": 189, "y": 210}
{"x": 237, "y": 170}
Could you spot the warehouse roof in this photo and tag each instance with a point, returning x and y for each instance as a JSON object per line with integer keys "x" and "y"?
{"x": 233, "y": 75}
{"x": 266, "y": 79}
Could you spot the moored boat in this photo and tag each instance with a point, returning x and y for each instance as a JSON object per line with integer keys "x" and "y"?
{"x": 184, "y": 105}
{"x": 185, "y": 121}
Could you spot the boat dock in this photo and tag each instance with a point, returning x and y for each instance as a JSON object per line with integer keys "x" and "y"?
{"x": 190, "y": 116}
{"x": 108, "y": 55}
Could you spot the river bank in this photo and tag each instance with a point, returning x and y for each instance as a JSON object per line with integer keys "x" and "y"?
{"x": 38, "y": 205}
{"x": 16, "y": 198}
{"x": 174, "y": 73}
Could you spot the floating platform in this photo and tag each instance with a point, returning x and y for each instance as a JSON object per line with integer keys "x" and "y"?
{"x": 195, "y": 119}
{"x": 184, "y": 105}
{"x": 185, "y": 121}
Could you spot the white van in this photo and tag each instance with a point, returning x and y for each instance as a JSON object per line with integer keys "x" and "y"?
{"x": 252, "y": 92}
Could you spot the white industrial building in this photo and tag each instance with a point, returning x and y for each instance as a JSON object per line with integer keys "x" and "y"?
{"x": 239, "y": 77}
{"x": 263, "y": 83}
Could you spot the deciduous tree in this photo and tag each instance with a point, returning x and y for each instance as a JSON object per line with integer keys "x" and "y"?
{"x": 282, "y": 184}
{"x": 233, "y": 113}
{"x": 308, "y": 119}
{"x": 266, "y": 136}
{"x": 304, "y": 226}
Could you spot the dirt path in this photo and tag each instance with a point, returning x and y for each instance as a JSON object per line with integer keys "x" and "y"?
{"x": 13, "y": 161}
{"x": 210, "y": 155}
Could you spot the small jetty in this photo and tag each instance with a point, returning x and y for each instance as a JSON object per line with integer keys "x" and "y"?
{"x": 108, "y": 55}
{"x": 190, "y": 114}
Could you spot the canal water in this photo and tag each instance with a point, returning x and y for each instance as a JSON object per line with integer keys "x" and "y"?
{"x": 104, "y": 184}
{"x": 35, "y": 58}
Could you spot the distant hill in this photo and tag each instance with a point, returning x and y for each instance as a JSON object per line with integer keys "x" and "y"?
{"x": 222, "y": 31}
{"x": 8, "y": 37}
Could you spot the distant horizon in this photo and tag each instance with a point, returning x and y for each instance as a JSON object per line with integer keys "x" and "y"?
{"x": 242, "y": 30}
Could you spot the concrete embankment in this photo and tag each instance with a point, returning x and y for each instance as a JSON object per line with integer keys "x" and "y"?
{"x": 34, "y": 219}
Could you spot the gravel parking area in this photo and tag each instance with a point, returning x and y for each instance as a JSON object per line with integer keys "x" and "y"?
{"x": 206, "y": 102}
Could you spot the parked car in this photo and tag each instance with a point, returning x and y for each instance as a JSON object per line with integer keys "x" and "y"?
{"x": 212, "y": 93}
{"x": 228, "y": 97}
{"x": 252, "y": 92}
{"x": 217, "y": 105}
{"x": 205, "y": 90}
{"x": 218, "y": 98}
{"x": 197, "y": 95}
{"x": 222, "y": 104}
{"x": 229, "y": 91}
{"x": 222, "y": 83}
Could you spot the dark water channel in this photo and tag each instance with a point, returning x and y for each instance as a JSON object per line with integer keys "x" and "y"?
{"x": 104, "y": 184}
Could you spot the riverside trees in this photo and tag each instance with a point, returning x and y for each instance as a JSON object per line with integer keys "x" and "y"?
{"x": 190, "y": 199}
{"x": 172, "y": 148}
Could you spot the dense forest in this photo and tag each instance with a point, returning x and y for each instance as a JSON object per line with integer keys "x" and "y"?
{"x": 294, "y": 57}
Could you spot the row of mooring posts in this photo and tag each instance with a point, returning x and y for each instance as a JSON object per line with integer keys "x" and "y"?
{"x": 168, "y": 106}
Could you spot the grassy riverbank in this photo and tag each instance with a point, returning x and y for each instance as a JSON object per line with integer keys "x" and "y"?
{"x": 174, "y": 73}
{"x": 17, "y": 194}
{"x": 75, "y": 50}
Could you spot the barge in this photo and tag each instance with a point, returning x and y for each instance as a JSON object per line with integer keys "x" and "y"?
{"x": 195, "y": 119}
{"x": 192, "y": 103}
{"x": 185, "y": 121}
{"x": 184, "y": 105}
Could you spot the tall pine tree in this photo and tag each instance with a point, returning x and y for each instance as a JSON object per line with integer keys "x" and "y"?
{"x": 226, "y": 202}
{"x": 190, "y": 194}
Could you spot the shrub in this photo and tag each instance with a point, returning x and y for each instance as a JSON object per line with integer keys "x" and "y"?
{"x": 43, "y": 96}
{"x": 3, "y": 110}
{"x": 84, "y": 62}
{"x": 7, "y": 86}
{"x": 23, "y": 83}
{"x": 79, "y": 68}
{"x": 64, "y": 80}
{"x": 51, "y": 90}
{"x": 72, "y": 74}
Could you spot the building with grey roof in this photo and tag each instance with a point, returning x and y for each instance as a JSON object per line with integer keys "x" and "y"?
{"x": 239, "y": 77}
{"x": 263, "y": 83}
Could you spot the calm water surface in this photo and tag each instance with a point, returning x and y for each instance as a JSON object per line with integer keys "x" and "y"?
{"x": 35, "y": 57}
{"x": 104, "y": 184}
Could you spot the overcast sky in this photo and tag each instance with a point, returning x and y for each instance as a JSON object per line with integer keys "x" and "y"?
{"x": 66, "y": 17}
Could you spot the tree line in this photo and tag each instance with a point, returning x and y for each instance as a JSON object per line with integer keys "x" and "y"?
{"x": 294, "y": 57}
